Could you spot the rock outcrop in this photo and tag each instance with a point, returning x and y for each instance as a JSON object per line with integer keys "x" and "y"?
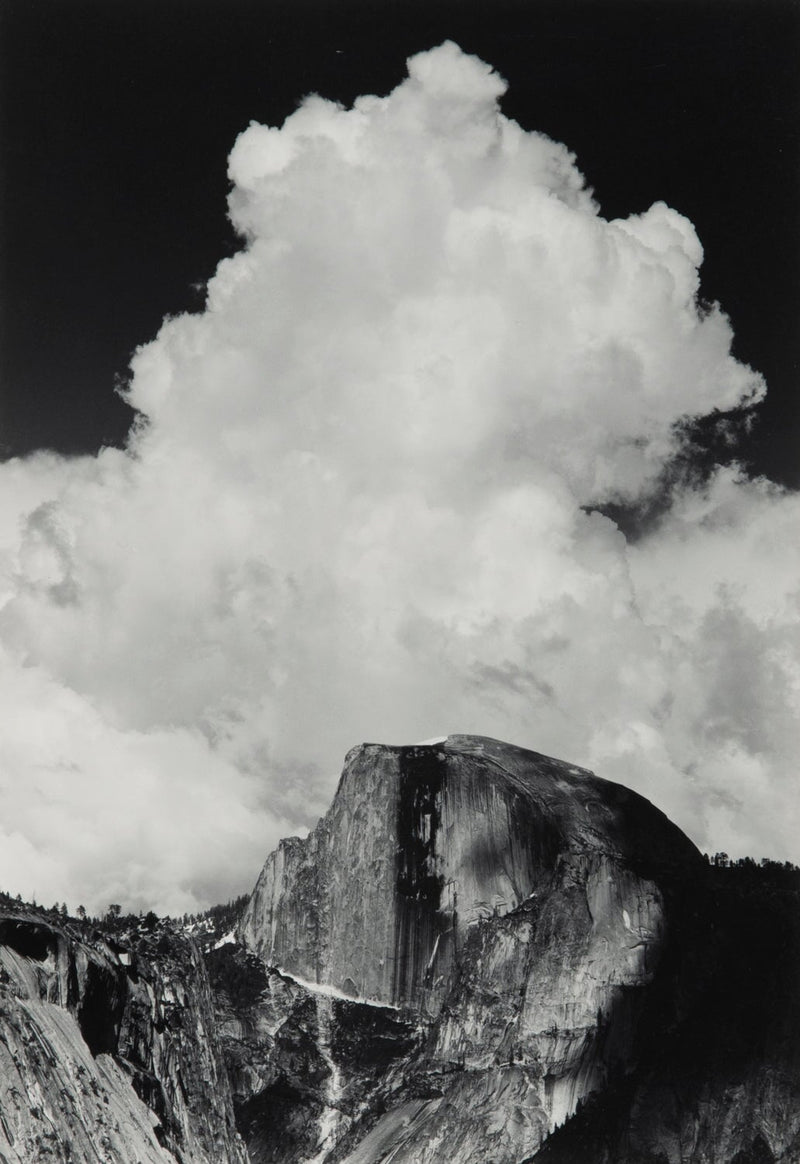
{"x": 718, "y": 1078}
{"x": 303, "y": 1063}
{"x": 516, "y": 904}
{"x": 421, "y": 843}
{"x": 108, "y": 1050}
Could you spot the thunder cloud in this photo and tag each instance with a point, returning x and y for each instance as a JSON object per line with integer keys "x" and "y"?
{"x": 362, "y": 503}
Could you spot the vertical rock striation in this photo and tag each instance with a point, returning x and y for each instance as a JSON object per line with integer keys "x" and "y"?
{"x": 108, "y": 1049}
{"x": 517, "y": 904}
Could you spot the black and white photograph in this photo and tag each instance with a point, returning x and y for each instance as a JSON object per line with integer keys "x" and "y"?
{"x": 399, "y": 582}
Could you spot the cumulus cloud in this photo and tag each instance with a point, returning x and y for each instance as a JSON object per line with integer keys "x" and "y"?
{"x": 362, "y": 503}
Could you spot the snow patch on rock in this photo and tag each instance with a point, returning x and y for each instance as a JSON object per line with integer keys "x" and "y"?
{"x": 331, "y": 991}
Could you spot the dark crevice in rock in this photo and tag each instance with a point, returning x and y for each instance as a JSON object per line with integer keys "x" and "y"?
{"x": 369, "y": 1037}
{"x": 150, "y": 1090}
{"x": 759, "y": 1152}
{"x": 30, "y": 938}
{"x": 280, "y": 1123}
{"x": 100, "y": 1009}
{"x": 419, "y": 921}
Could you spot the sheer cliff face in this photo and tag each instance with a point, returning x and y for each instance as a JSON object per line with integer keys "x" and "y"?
{"x": 517, "y": 903}
{"x": 107, "y": 1050}
{"x": 422, "y": 843}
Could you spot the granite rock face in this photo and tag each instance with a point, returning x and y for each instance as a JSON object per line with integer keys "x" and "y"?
{"x": 421, "y": 843}
{"x": 718, "y": 1078}
{"x": 304, "y": 1064}
{"x": 481, "y": 955}
{"x": 515, "y": 904}
{"x": 108, "y": 1049}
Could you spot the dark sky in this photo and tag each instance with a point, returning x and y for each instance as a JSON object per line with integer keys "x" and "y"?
{"x": 118, "y": 115}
